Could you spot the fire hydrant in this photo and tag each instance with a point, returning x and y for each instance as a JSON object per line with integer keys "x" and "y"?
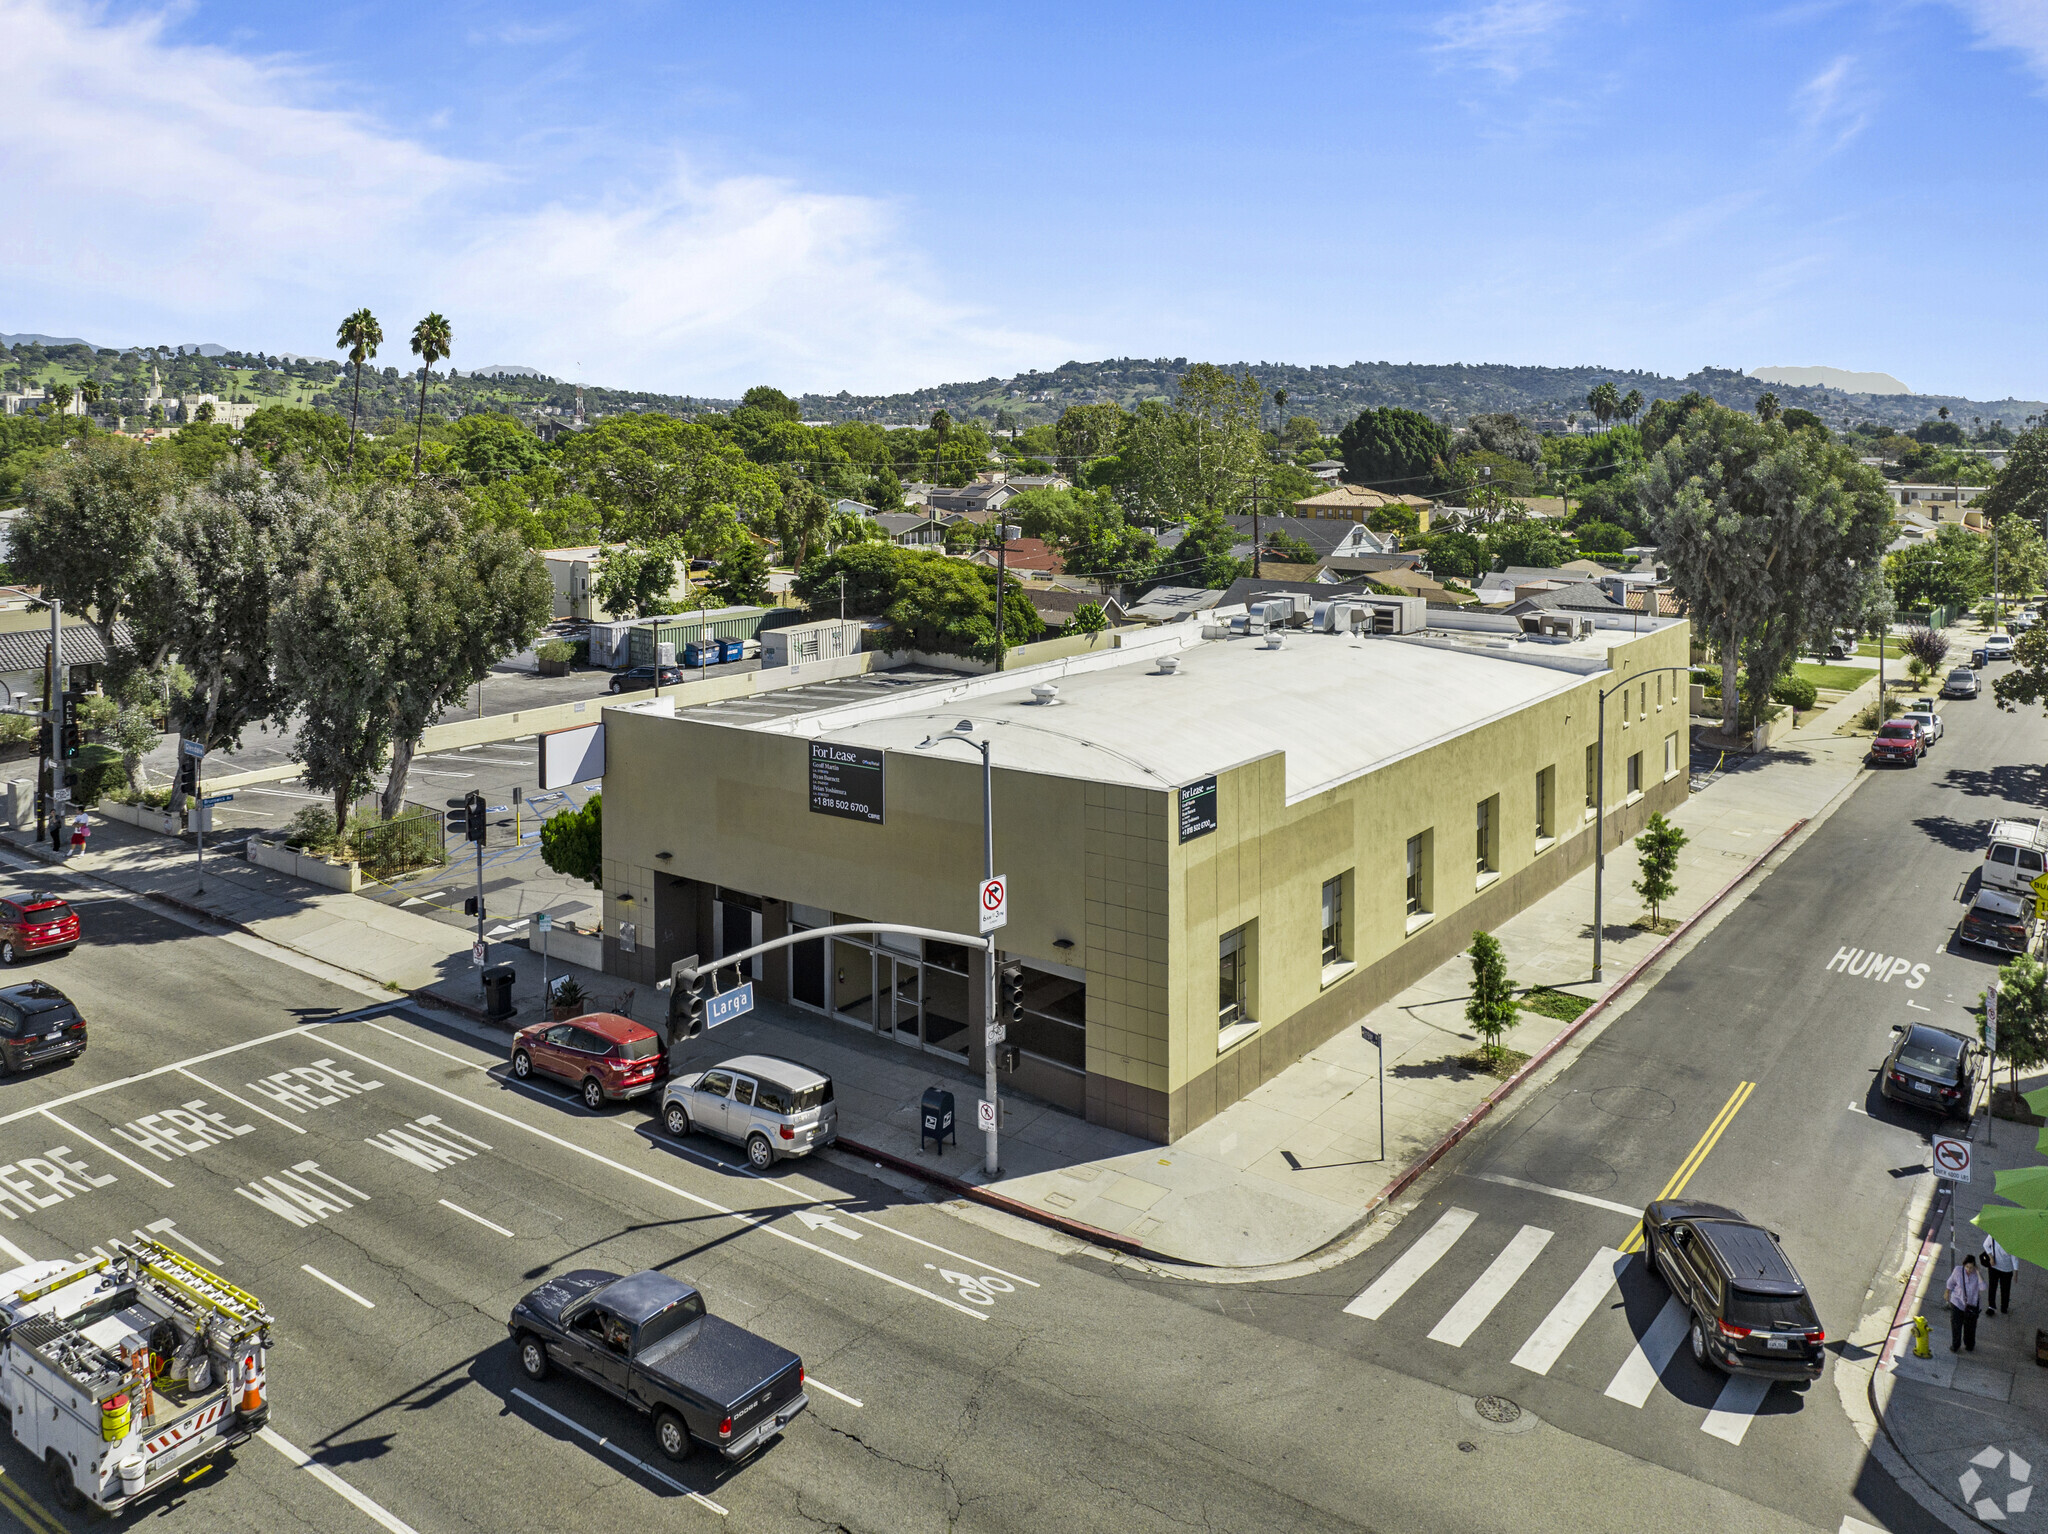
{"x": 1920, "y": 1348}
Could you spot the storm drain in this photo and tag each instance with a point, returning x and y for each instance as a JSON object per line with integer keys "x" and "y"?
{"x": 1497, "y": 1409}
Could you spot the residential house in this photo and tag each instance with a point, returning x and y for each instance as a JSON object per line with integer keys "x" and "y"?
{"x": 1173, "y": 604}
{"x": 1023, "y": 557}
{"x": 1056, "y": 608}
{"x": 1354, "y": 503}
{"x": 572, "y": 571}
{"x": 1327, "y": 470}
{"x": 912, "y": 529}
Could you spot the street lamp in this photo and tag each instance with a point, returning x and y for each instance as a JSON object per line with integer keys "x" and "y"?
{"x": 1600, "y": 808}
{"x": 964, "y": 732}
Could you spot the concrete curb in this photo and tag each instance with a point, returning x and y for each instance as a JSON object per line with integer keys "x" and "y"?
{"x": 1011, "y": 1206}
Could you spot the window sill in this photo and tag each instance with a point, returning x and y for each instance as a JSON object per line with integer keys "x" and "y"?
{"x": 1417, "y": 922}
{"x": 1491, "y": 876}
{"x": 1544, "y": 844}
{"x": 1632, "y": 798}
{"x": 1332, "y": 973}
{"x": 1229, "y": 1038}
{"x": 1670, "y": 775}
{"x": 1592, "y": 814}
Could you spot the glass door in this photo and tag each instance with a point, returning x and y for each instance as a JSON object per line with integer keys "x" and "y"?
{"x": 906, "y": 997}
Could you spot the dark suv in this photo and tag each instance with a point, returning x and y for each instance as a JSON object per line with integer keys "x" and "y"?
{"x": 38, "y": 1026}
{"x": 1750, "y": 1311}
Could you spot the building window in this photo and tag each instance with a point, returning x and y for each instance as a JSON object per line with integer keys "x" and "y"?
{"x": 1333, "y": 921}
{"x": 1635, "y": 774}
{"x": 1488, "y": 824}
{"x": 1592, "y": 778}
{"x": 1418, "y": 875}
{"x": 1660, "y": 692}
{"x": 1546, "y": 782}
{"x": 1670, "y": 754}
{"x": 1232, "y": 963}
{"x": 1643, "y": 701}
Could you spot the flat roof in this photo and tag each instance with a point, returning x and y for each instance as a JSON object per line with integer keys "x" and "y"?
{"x": 1338, "y": 706}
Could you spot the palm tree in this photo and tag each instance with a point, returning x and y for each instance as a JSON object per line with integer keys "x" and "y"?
{"x": 1280, "y": 410}
{"x": 60, "y": 394}
{"x": 1603, "y": 401}
{"x": 1632, "y": 406}
{"x": 431, "y": 341}
{"x": 362, "y": 335}
{"x": 89, "y": 391}
{"x": 1767, "y": 406}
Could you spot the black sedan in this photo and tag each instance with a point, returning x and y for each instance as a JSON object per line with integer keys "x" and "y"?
{"x": 639, "y": 678}
{"x": 1929, "y": 1068}
{"x": 38, "y": 1026}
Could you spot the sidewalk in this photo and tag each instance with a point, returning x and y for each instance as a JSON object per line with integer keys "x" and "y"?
{"x": 1974, "y": 1426}
{"x": 1274, "y": 1178}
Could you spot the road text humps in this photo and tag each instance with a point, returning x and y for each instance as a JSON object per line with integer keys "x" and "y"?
{"x": 1869, "y": 964}
{"x": 296, "y": 1198}
{"x": 182, "y": 1131}
{"x": 428, "y": 1143}
{"x": 305, "y": 1088}
{"x": 60, "y": 1177}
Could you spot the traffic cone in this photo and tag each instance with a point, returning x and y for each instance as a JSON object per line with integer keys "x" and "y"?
{"x": 252, "y": 1386}
{"x": 1920, "y": 1347}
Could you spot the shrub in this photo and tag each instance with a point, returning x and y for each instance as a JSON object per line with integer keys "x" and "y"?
{"x": 558, "y": 650}
{"x": 17, "y": 729}
{"x": 99, "y": 768}
{"x": 1796, "y": 690}
{"x": 97, "y": 711}
{"x": 1088, "y": 619}
{"x": 311, "y": 830}
{"x": 387, "y": 848}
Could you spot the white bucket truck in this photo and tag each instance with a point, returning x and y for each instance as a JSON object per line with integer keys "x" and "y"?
{"x": 127, "y": 1374}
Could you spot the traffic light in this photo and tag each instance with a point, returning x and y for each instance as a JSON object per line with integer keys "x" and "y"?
{"x": 473, "y": 809}
{"x": 1010, "y": 995}
{"x": 188, "y": 775}
{"x": 45, "y": 739}
{"x": 686, "y": 1007}
{"x": 69, "y": 740}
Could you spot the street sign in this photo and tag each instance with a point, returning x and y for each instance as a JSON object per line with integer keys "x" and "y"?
{"x": 1369, "y": 1036}
{"x": 212, "y": 799}
{"x": 727, "y": 1005}
{"x": 543, "y": 922}
{"x": 1951, "y": 1158}
{"x": 476, "y": 955}
{"x": 984, "y": 1114}
{"x": 992, "y": 897}
{"x": 1991, "y": 1020}
{"x": 195, "y": 748}
{"x": 2040, "y": 887}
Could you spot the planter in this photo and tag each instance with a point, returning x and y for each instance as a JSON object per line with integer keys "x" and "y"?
{"x": 556, "y": 667}
{"x": 585, "y": 950}
{"x": 279, "y": 858}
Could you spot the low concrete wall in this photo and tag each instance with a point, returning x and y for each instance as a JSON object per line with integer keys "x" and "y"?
{"x": 141, "y": 816}
{"x": 282, "y": 859}
{"x": 584, "y": 948}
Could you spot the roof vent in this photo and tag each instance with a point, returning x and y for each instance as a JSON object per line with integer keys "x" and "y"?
{"x": 1168, "y": 664}
{"x": 1276, "y": 640}
{"x": 1045, "y": 693}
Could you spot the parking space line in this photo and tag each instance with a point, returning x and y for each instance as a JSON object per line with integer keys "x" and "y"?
{"x": 606, "y": 1444}
{"x": 467, "y": 1215}
{"x": 224, "y": 1092}
{"x": 333, "y": 1482}
{"x": 416, "y": 1044}
{"x": 756, "y": 1222}
{"x": 73, "y": 1129}
{"x": 838, "y": 1395}
{"x": 337, "y": 1285}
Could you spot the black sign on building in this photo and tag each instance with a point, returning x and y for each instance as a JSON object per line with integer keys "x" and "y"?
{"x": 846, "y": 781}
{"x": 1197, "y": 809}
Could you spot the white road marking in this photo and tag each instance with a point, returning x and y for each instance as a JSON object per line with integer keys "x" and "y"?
{"x": 975, "y": 1263}
{"x": 1588, "y": 1291}
{"x": 150, "y": 1075}
{"x": 837, "y": 1395}
{"x": 1402, "y": 1273}
{"x": 758, "y": 1222}
{"x": 1637, "y": 1377}
{"x": 475, "y": 1065}
{"x": 1736, "y": 1406}
{"x": 338, "y": 1286}
{"x": 170, "y": 1228}
{"x": 332, "y": 1482}
{"x": 281, "y": 793}
{"x": 826, "y": 1222}
{"x": 1631, "y": 1210}
{"x": 1491, "y": 1287}
{"x": 1857, "y": 1526}
{"x": 224, "y": 1092}
{"x": 422, "y": 772}
{"x": 163, "y": 1182}
{"x": 419, "y": 899}
{"x": 1864, "y": 1111}
{"x": 605, "y": 1443}
{"x": 488, "y": 1224}
{"x": 15, "y": 1252}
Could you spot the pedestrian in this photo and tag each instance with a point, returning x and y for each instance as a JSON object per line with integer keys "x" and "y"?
{"x": 1965, "y": 1294}
{"x": 1999, "y": 1267}
{"x": 81, "y": 828}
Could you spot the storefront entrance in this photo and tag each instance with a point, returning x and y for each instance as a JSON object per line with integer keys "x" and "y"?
{"x": 896, "y": 986}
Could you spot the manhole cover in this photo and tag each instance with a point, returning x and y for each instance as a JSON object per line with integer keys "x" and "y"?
{"x": 1497, "y": 1409}
{"x": 1466, "y": 1446}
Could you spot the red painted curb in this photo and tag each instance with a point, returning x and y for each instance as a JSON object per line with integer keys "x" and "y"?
{"x": 1022, "y": 1210}
{"x": 1499, "y": 1094}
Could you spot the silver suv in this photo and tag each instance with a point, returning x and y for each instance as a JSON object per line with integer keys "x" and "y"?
{"x": 772, "y": 1106}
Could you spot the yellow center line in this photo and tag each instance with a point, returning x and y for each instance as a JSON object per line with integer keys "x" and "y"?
{"x": 1691, "y": 1164}
{"x": 32, "y": 1514}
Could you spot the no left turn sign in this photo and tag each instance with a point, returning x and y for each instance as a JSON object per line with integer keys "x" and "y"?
{"x": 1951, "y": 1158}
{"x": 993, "y": 900}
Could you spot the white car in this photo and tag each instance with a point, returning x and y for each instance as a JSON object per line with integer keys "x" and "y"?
{"x": 1928, "y": 720}
{"x": 1998, "y": 647}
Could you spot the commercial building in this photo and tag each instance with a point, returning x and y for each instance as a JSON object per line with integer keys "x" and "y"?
{"x": 1223, "y": 844}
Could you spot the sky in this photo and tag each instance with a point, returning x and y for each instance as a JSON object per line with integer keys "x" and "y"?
{"x": 697, "y": 198}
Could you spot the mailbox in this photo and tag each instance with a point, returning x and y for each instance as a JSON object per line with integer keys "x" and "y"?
{"x": 935, "y": 1119}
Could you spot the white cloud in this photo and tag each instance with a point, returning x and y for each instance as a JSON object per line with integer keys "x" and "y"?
{"x": 2021, "y": 25}
{"x": 1832, "y": 106}
{"x": 1508, "y": 37}
{"x": 165, "y": 192}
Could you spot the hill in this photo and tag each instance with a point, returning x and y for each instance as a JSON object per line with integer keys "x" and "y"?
{"x": 1833, "y": 378}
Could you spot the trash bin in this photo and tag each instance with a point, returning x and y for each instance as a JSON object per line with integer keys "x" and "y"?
{"x": 935, "y": 1119}
{"x": 731, "y": 650}
{"x": 696, "y": 655}
{"x": 498, "y": 992}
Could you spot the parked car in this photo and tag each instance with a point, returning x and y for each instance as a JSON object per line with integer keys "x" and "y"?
{"x": 2022, "y": 620}
{"x": 2001, "y": 919}
{"x": 1928, "y": 1067}
{"x": 649, "y": 1341}
{"x": 38, "y": 1026}
{"x": 638, "y": 678}
{"x": 1898, "y": 740}
{"x": 2015, "y": 855}
{"x": 773, "y": 1107}
{"x": 33, "y": 924}
{"x": 606, "y": 1057}
{"x": 1998, "y": 647}
{"x": 1751, "y": 1313}
{"x": 1962, "y": 683}
{"x": 1922, "y": 714}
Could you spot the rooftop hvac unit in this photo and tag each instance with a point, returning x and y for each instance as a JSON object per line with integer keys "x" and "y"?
{"x": 1275, "y": 610}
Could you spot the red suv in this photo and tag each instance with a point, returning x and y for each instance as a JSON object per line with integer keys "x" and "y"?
{"x": 35, "y": 924}
{"x": 606, "y": 1057}
{"x": 1899, "y": 740}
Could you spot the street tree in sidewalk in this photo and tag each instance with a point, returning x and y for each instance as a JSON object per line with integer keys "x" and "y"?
{"x": 572, "y": 841}
{"x": 92, "y": 510}
{"x": 1491, "y": 1008}
{"x": 1925, "y": 650}
{"x": 2022, "y": 1017}
{"x": 1657, "y": 852}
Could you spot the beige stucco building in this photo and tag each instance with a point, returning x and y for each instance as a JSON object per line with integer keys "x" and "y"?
{"x": 1220, "y": 851}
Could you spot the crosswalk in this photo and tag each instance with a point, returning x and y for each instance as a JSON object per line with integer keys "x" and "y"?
{"x": 1591, "y": 1293}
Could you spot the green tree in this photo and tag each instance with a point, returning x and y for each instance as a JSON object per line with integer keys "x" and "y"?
{"x": 741, "y": 577}
{"x": 89, "y": 391}
{"x": 1491, "y": 1007}
{"x": 652, "y": 476}
{"x": 1631, "y": 406}
{"x": 1767, "y": 407}
{"x": 1604, "y": 400}
{"x": 2021, "y": 488}
{"x": 771, "y": 402}
{"x": 1455, "y": 554}
{"x": 204, "y": 414}
{"x": 1602, "y": 538}
{"x": 2022, "y": 556}
{"x": 1402, "y": 522}
{"x": 1952, "y": 569}
{"x": 1657, "y": 852}
{"x": 803, "y": 520}
{"x": 1394, "y": 449}
{"x": 432, "y": 339}
{"x": 277, "y": 432}
{"x": 637, "y": 580}
{"x": 572, "y": 841}
{"x": 1089, "y": 618}
{"x": 1530, "y": 544}
{"x": 61, "y": 396}
{"x": 1925, "y": 650}
{"x": 85, "y": 537}
{"x": 360, "y": 335}
{"x": 1203, "y": 555}
{"x": 2022, "y": 1017}
{"x": 487, "y": 447}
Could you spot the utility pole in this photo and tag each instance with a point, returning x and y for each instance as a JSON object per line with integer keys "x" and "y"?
{"x": 1258, "y": 563}
{"x": 59, "y": 795}
{"x": 1002, "y": 551}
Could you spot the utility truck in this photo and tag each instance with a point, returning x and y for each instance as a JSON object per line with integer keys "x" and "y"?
{"x": 128, "y": 1374}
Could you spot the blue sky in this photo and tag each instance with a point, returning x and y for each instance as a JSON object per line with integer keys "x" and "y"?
{"x": 696, "y": 198}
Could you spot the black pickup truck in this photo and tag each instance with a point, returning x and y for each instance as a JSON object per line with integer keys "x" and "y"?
{"x": 648, "y": 1340}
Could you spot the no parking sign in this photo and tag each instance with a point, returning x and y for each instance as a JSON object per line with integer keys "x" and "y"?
{"x": 1951, "y": 1158}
